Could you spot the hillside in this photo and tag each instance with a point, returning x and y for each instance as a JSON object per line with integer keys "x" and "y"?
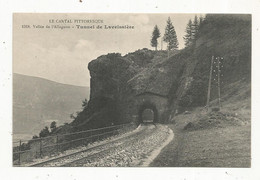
{"x": 120, "y": 84}
{"x": 214, "y": 139}
{"x": 37, "y": 102}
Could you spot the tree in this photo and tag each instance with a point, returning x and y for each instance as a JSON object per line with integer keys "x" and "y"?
{"x": 192, "y": 29}
{"x": 195, "y": 28}
{"x": 156, "y": 34}
{"x": 188, "y": 38}
{"x": 53, "y": 126}
{"x": 85, "y": 103}
{"x": 35, "y": 137}
{"x": 170, "y": 36}
{"x": 200, "y": 20}
{"x": 44, "y": 132}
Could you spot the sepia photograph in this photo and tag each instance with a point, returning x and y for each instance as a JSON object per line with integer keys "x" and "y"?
{"x": 131, "y": 90}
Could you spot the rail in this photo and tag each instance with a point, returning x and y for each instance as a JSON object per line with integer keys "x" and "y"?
{"x": 27, "y": 150}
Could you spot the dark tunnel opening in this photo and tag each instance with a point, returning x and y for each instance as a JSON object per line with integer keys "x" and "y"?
{"x": 148, "y": 113}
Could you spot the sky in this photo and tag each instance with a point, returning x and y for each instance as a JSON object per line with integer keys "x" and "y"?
{"x": 62, "y": 55}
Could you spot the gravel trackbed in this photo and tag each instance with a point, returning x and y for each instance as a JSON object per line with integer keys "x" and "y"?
{"x": 138, "y": 148}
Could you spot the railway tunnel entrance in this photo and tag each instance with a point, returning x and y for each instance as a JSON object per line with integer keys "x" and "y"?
{"x": 149, "y": 107}
{"x": 148, "y": 116}
{"x": 148, "y": 113}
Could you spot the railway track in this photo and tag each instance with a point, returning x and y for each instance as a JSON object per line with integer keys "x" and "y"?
{"x": 103, "y": 153}
{"x": 100, "y": 151}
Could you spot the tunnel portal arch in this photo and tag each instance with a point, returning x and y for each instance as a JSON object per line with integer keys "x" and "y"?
{"x": 143, "y": 107}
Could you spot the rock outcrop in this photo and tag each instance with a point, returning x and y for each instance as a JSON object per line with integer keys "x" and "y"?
{"x": 123, "y": 86}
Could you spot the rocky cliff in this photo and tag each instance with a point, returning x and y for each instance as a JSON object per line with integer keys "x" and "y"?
{"x": 122, "y": 86}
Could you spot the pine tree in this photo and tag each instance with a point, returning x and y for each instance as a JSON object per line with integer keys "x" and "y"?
{"x": 156, "y": 34}
{"x": 170, "y": 36}
{"x": 195, "y": 27}
{"x": 188, "y": 38}
{"x": 200, "y": 20}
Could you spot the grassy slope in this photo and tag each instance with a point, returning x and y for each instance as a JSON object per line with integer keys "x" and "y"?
{"x": 221, "y": 142}
{"x": 225, "y": 147}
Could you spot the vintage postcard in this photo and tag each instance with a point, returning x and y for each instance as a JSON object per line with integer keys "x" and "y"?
{"x": 131, "y": 90}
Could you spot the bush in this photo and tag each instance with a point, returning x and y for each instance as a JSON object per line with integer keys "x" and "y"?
{"x": 44, "y": 132}
{"x": 53, "y": 126}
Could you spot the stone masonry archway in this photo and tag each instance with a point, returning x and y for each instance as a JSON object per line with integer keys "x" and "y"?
{"x": 143, "y": 107}
{"x": 155, "y": 102}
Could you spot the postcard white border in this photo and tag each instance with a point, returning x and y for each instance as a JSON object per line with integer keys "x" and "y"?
{"x": 121, "y": 6}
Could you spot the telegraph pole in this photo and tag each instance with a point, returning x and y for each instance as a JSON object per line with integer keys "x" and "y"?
{"x": 209, "y": 86}
{"x": 219, "y": 103}
{"x": 161, "y": 43}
